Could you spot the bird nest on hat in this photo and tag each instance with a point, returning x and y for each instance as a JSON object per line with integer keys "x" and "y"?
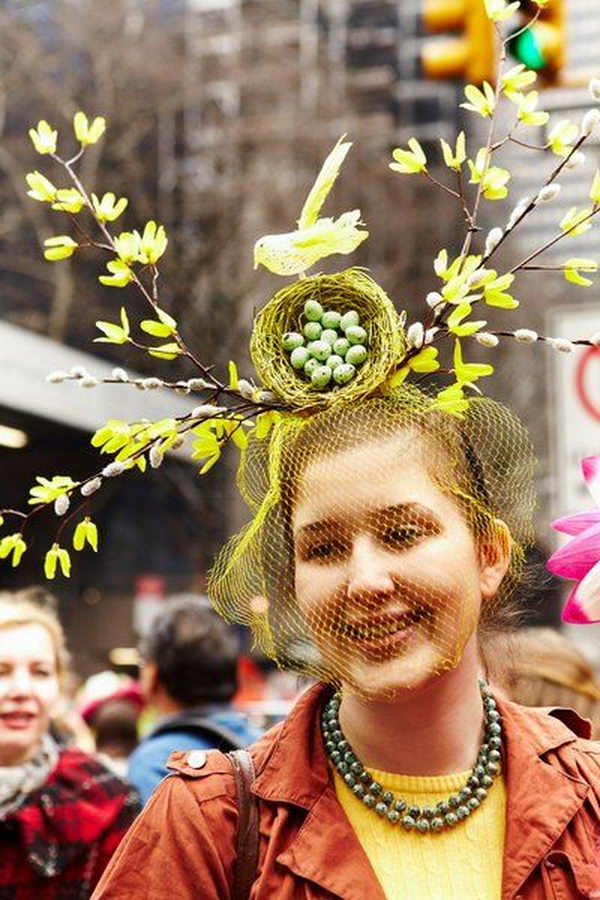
{"x": 350, "y": 290}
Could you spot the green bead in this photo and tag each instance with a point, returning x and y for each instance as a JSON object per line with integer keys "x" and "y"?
{"x": 291, "y": 340}
{"x": 442, "y": 808}
{"x": 465, "y": 793}
{"x": 330, "y": 336}
{"x": 492, "y": 768}
{"x": 344, "y": 373}
{"x": 341, "y": 346}
{"x": 335, "y": 756}
{"x": 358, "y": 791}
{"x": 299, "y": 357}
{"x": 342, "y": 768}
{"x": 312, "y": 331}
{"x": 437, "y": 824}
{"x": 349, "y": 779}
{"x": 479, "y": 772}
{"x": 423, "y": 826}
{"x": 393, "y": 816}
{"x": 356, "y": 334}
{"x": 331, "y": 319}
{"x": 473, "y": 781}
{"x": 329, "y": 746}
{"x": 481, "y": 794}
{"x": 486, "y": 781}
{"x": 387, "y": 797}
{"x": 381, "y": 809}
{"x": 375, "y": 788}
{"x": 414, "y": 812}
{"x": 366, "y": 777}
{"x": 321, "y": 350}
{"x": 310, "y": 365}
{"x": 428, "y": 812}
{"x": 356, "y": 354}
{"x": 454, "y": 801}
{"x": 400, "y": 806}
{"x": 356, "y": 768}
{"x": 494, "y": 756}
{"x": 320, "y": 377}
{"x": 349, "y": 757}
{"x": 462, "y": 812}
{"x": 495, "y": 743}
{"x": 473, "y": 803}
{"x": 334, "y": 361}
{"x": 408, "y": 822}
{"x": 313, "y": 310}
{"x": 369, "y": 800}
{"x": 451, "y": 819}
{"x": 493, "y": 715}
{"x": 349, "y": 319}
{"x": 494, "y": 729}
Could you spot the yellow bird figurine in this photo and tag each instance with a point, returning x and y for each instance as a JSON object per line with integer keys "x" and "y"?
{"x": 296, "y": 252}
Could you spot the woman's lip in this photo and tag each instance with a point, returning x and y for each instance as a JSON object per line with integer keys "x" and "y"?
{"x": 17, "y": 720}
{"x": 383, "y": 646}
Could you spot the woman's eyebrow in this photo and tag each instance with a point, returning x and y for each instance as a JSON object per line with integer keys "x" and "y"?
{"x": 314, "y": 527}
{"x": 411, "y": 507}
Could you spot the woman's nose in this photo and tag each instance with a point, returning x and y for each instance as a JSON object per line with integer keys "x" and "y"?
{"x": 19, "y": 683}
{"x": 369, "y": 570}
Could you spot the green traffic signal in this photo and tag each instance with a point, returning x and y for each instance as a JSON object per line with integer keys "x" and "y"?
{"x": 527, "y": 48}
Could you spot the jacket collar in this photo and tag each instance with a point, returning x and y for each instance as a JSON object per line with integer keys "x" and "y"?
{"x": 294, "y": 770}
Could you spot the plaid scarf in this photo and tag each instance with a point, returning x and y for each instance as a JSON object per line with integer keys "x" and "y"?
{"x": 16, "y": 782}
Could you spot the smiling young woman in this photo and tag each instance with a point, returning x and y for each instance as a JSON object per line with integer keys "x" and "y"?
{"x": 62, "y": 813}
{"x": 386, "y": 537}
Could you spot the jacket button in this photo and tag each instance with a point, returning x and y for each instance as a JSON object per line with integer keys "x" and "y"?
{"x": 196, "y": 759}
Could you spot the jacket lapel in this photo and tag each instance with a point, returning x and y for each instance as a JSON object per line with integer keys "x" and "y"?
{"x": 327, "y": 852}
{"x": 541, "y": 800}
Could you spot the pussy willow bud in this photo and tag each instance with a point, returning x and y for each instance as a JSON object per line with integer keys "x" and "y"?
{"x": 266, "y": 397}
{"x": 548, "y": 193}
{"x": 433, "y": 298}
{"x": 178, "y": 442}
{"x": 119, "y": 374}
{"x": 415, "y": 335}
{"x": 57, "y": 377}
{"x": 155, "y": 456}
{"x": 576, "y": 160}
{"x": 61, "y": 504}
{"x": 590, "y": 122}
{"x": 518, "y": 211}
{"x": 206, "y": 411}
{"x": 151, "y": 383}
{"x": 430, "y": 334}
{"x": 113, "y": 469}
{"x": 493, "y": 239}
{"x": 562, "y": 345}
{"x": 477, "y": 278}
{"x": 525, "y": 335}
{"x": 90, "y": 487}
{"x": 245, "y": 389}
{"x": 88, "y": 381}
{"x": 198, "y": 384}
{"x": 594, "y": 88}
{"x": 78, "y": 371}
{"x": 595, "y": 339}
{"x": 486, "y": 339}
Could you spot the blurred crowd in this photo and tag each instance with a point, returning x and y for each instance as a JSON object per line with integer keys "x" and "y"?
{"x": 77, "y": 762}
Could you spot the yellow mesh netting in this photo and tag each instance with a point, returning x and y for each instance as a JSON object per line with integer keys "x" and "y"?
{"x": 381, "y": 530}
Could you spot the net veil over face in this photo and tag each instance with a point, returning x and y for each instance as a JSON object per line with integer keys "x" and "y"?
{"x": 383, "y": 532}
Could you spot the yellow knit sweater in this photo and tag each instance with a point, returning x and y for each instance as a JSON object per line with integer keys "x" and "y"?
{"x": 461, "y": 863}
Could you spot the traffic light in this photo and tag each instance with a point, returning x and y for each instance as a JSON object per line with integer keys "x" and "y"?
{"x": 471, "y": 54}
{"x": 542, "y": 45}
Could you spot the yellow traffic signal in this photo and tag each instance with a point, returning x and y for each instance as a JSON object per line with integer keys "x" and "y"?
{"x": 471, "y": 54}
{"x": 542, "y": 45}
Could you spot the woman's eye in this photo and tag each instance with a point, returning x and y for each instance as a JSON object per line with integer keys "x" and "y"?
{"x": 324, "y": 550}
{"x": 401, "y": 536}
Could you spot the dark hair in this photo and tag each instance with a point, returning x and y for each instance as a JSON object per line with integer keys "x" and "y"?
{"x": 195, "y": 653}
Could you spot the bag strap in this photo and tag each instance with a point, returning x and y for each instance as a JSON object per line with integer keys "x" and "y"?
{"x": 247, "y": 833}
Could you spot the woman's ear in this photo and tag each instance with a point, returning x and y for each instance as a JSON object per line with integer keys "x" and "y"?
{"x": 495, "y": 552}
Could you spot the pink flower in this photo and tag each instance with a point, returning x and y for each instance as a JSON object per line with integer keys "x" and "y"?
{"x": 579, "y": 559}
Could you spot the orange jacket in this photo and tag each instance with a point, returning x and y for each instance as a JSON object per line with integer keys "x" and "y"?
{"x": 182, "y": 847}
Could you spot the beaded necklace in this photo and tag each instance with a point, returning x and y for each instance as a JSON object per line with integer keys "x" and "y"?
{"x": 427, "y": 819}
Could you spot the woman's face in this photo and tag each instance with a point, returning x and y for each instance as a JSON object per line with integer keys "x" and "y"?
{"x": 387, "y": 572}
{"x": 29, "y": 690}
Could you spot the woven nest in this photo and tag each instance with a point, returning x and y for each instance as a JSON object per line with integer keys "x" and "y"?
{"x": 351, "y": 289}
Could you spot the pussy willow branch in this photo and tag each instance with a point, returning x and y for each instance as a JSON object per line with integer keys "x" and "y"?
{"x": 555, "y": 240}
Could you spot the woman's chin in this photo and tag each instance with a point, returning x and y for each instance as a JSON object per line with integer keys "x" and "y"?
{"x": 389, "y": 679}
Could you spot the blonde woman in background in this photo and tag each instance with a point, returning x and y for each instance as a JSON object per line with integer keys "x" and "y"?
{"x": 62, "y": 813}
